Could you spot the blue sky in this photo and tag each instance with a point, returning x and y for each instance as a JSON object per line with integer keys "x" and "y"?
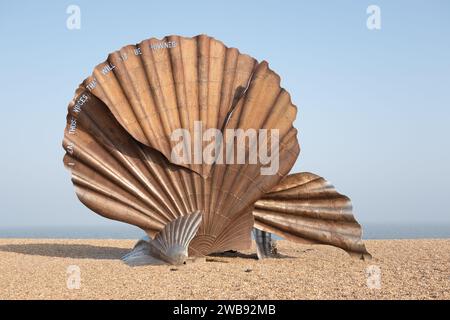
{"x": 374, "y": 106}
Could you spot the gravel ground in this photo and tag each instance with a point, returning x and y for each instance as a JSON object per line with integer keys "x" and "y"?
{"x": 410, "y": 269}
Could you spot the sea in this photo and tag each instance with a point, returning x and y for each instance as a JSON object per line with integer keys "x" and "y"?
{"x": 370, "y": 231}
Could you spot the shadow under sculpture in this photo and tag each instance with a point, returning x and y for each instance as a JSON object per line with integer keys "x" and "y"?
{"x": 118, "y": 145}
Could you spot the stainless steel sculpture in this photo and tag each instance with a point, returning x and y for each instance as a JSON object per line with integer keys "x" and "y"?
{"x": 119, "y": 143}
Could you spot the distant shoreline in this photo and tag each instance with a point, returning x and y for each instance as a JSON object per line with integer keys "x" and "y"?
{"x": 370, "y": 232}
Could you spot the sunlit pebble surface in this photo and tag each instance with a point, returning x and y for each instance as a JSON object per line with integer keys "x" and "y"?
{"x": 410, "y": 269}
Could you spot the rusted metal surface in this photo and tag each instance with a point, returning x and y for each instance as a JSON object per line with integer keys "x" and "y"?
{"x": 119, "y": 145}
{"x": 161, "y": 85}
{"x": 122, "y": 178}
{"x": 306, "y": 208}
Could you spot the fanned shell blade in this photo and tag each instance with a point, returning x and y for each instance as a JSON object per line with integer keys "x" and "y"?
{"x": 171, "y": 244}
{"x": 159, "y": 86}
{"x": 306, "y": 208}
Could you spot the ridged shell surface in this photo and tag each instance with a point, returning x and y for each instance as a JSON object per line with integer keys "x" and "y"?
{"x": 161, "y": 85}
{"x": 306, "y": 208}
{"x": 171, "y": 244}
{"x": 117, "y": 144}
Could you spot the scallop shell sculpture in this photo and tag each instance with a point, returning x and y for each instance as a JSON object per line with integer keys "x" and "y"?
{"x": 125, "y": 163}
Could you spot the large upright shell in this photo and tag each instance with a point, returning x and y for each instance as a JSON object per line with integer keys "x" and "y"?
{"x": 158, "y": 86}
{"x": 118, "y": 143}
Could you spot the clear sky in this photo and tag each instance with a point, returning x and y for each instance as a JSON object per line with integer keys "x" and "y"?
{"x": 374, "y": 105}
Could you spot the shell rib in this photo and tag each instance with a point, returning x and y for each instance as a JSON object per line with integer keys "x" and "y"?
{"x": 306, "y": 208}
{"x": 169, "y": 246}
